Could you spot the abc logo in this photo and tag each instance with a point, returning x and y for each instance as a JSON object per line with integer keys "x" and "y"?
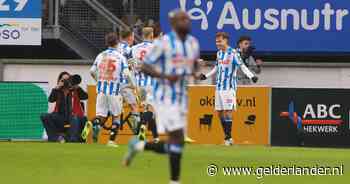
{"x": 7, "y": 34}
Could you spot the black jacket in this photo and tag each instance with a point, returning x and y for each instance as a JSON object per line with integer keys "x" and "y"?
{"x": 64, "y": 105}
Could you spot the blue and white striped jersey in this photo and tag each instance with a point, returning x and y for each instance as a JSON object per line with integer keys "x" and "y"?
{"x": 172, "y": 56}
{"x": 139, "y": 53}
{"x": 227, "y": 64}
{"x": 110, "y": 68}
{"x": 124, "y": 48}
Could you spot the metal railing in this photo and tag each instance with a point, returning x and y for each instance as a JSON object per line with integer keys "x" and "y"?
{"x": 85, "y": 22}
{"x": 144, "y": 9}
{"x": 90, "y": 20}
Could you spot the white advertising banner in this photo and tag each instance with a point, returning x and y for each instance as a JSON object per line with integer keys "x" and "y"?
{"x": 20, "y": 31}
{"x": 20, "y": 22}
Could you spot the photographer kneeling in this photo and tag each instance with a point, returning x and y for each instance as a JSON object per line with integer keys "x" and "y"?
{"x": 246, "y": 50}
{"x": 68, "y": 110}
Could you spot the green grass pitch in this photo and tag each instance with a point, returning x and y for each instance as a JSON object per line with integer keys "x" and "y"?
{"x": 44, "y": 163}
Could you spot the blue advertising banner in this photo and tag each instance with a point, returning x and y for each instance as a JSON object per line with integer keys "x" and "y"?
{"x": 274, "y": 25}
{"x": 20, "y": 9}
{"x": 20, "y": 22}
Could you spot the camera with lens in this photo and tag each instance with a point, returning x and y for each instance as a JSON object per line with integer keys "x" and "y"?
{"x": 72, "y": 81}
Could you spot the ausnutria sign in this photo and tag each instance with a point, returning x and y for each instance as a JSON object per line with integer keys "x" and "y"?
{"x": 287, "y": 26}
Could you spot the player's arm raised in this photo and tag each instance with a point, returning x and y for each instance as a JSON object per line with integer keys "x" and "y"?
{"x": 244, "y": 68}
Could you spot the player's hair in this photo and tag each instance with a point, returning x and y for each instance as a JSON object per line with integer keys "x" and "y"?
{"x": 243, "y": 38}
{"x": 111, "y": 39}
{"x": 61, "y": 75}
{"x": 157, "y": 30}
{"x": 125, "y": 33}
{"x": 147, "y": 32}
{"x": 172, "y": 14}
{"x": 224, "y": 35}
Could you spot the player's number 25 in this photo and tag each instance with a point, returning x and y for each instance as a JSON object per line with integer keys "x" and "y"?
{"x": 6, "y": 7}
{"x": 142, "y": 55}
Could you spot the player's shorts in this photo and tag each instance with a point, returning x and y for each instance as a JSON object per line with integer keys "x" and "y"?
{"x": 128, "y": 95}
{"x": 108, "y": 104}
{"x": 170, "y": 118}
{"x": 225, "y": 100}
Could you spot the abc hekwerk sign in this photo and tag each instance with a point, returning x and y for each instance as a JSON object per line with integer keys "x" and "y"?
{"x": 275, "y": 26}
{"x": 20, "y": 22}
{"x": 322, "y": 115}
